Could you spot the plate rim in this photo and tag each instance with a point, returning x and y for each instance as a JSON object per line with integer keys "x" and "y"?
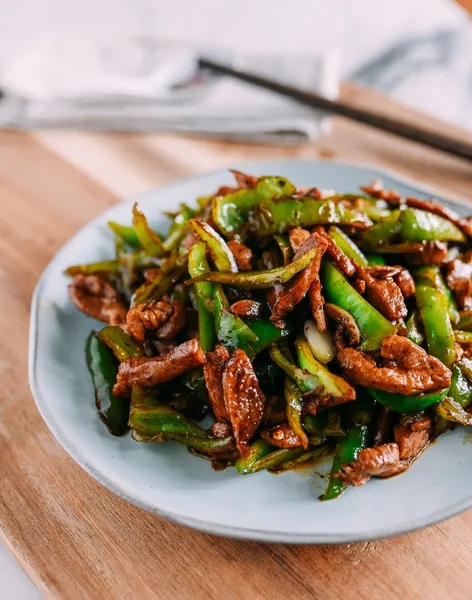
{"x": 240, "y": 533}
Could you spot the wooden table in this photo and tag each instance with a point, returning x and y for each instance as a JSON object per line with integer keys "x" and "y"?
{"x": 74, "y": 538}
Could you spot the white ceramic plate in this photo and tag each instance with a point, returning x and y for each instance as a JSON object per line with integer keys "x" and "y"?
{"x": 168, "y": 481}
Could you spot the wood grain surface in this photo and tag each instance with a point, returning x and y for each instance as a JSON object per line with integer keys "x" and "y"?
{"x": 74, "y": 538}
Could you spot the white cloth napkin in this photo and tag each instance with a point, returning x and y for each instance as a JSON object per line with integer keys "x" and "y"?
{"x": 135, "y": 84}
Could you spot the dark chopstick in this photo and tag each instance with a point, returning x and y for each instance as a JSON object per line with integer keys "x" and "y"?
{"x": 399, "y": 128}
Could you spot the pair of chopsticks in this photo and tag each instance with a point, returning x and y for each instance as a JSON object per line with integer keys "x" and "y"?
{"x": 400, "y": 128}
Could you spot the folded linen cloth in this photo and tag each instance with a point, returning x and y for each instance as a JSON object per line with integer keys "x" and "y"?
{"x": 136, "y": 84}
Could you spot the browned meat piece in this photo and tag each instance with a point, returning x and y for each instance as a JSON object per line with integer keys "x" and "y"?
{"x": 226, "y": 189}
{"x": 384, "y": 271}
{"x": 412, "y": 439}
{"x": 376, "y": 191}
{"x": 150, "y": 274}
{"x": 344, "y": 262}
{"x": 459, "y": 279}
{"x": 174, "y": 324}
{"x": 274, "y": 411}
{"x": 313, "y": 404}
{"x": 345, "y": 323}
{"x": 317, "y": 303}
{"x": 297, "y": 237}
{"x": 213, "y": 374}
{"x": 148, "y": 316}
{"x": 405, "y": 282}
{"x": 281, "y": 436}
{"x": 163, "y": 347}
{"x": 242, "y": 255}
{"x": 149, "y": 372}
{"x": 246, "y": 308}
{"x": 380, "y": 461}
{"x": 305, "y": 192}
{"x": 190, "y": 239}
{"x": 359, "y": 284}
{"x": 384, "y": 294}
{"x": 284, "y": 298}
{"x": 415, "y": 371}
{"x": 244, "y": 399}
{"x": 243, "y": 180}
{"x": 98, "y": 299}
{"x": 429, "y": 253}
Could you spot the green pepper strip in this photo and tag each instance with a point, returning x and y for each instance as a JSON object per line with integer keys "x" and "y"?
{"x": 148, "y": 238}
{"x": 266, "y": 332}
{"x": 164, "y": 421}
{"x": 463, "y": 337}
{"x": 178, "y": 229}
{"x": 127, "y": 234}
{"x": 113, "y": 411}
{"x": 103, "y": 266}
{"x": 450, "y": 410}
{"x": 408, "y": 404}
{"x": 230, "y": 211}
{"x": 433, "y": 309}
{"x": 414, "y": 329}
{"x": 219, "y": 250}
{"x": 197, "y": 264}
{"x": 347, "y": 449}
{"x": 327, "y": 424}
{"x": 300, "y": 461}
{"x": 257, "y": 451}
{"x": 122, "y": 345}
{"x": 422, "y": 226}
{"x": 145, "y": 397}
{"x": 261, "y": 460}
{"x": 384, "y": 231}
{"x": 231, "y": 331}
{"x": 374, "y": 260}
{"x": 285, "y": 248}
{"x": 431, "y": 276}
{"x": 293, "y": 397}
{"x": 277, "y": 216}
{"x": 173, "y": 269}
{"x": 332, "y": 384}
{"x": 373, "y": 326}
{"x": 461, "y": 388}
{"x": 305, "y": 381}
{"x": 258, "y": 279}
{"x": 348, "y": 246}
{"x": 465, "y": 320}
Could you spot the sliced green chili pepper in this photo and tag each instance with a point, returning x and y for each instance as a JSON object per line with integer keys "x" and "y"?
{"x": 197, "y": 265}
{"x": 431, "y": 276}
{"x": 178, "y": 229}
{"x": 258, "y": 450}
{"x": 266, "y": 332}
{"x": 285, "y": 248}
{"x": 422, "y": 226}
{"x": 149, "y": 240}
{"x": 293, "y": 397}
{"x": 374, "y": 260}
{"x": 113, "y": 411}
{"x": 433, "y": 309}
{"x": 384, "y": 231}
{"x": 347, "y": 449}
{"x": 258, "y": 279}
{"x": 164, "y": 421}
{"x": 195, "y": 382}
{"x": 231, "y": 331}
{"x": 173, "y": 269}
{"x": 305, "y": 381}
{"x": 326, "y": 424}
{"x": 230, "y": 211}
{"x": 408, "y": 404}
{"x": 122, "y": 345}
{"x": 465, "y": 320}
{"x": 272, "y": 460}
{"x": 332, "y": 384}
{"x": 127, "y": 234}
{"x": 219, "y": 250}
{"x": 103, "y": 266}
{"x": 348, "y": 246}
{"x": 373, "y": 326}
{"x": 414, "y": 329}
{"x": 277, "y": 216}
{"x": 463, "y": 337}
{"x": 450, "y": 410}
{"x": 461, "y": 389}
{"x": 141, "y": 396}
{"x": 300, "y": 461}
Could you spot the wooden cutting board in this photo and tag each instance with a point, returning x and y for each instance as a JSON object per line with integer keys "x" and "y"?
{"x": 74, "y": 538}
